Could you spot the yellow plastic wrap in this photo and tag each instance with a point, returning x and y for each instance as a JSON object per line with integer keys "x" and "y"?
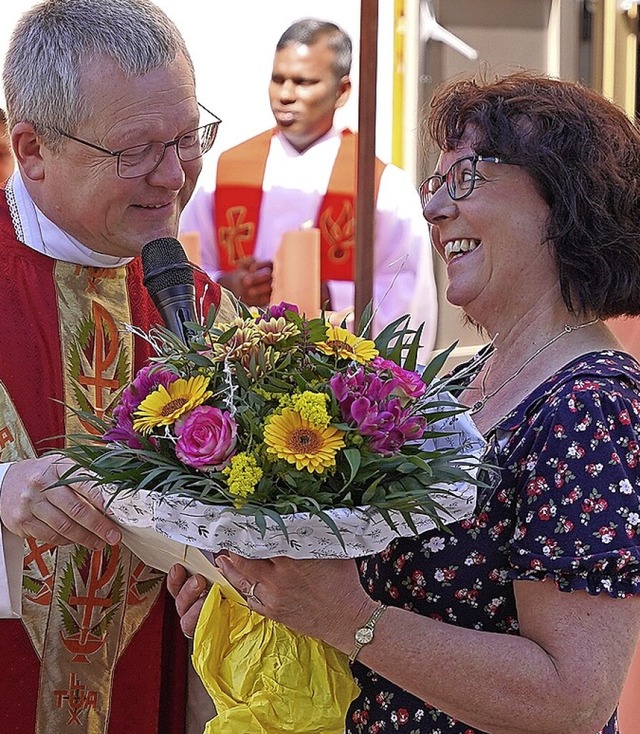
{"x": 266, "y": 679}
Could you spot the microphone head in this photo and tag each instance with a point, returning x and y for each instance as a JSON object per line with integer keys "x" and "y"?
{"x": 165, "y": 264}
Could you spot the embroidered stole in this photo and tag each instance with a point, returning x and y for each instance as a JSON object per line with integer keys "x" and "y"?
{"x": 239, "y": 195}
{"x": 80, "y": 607}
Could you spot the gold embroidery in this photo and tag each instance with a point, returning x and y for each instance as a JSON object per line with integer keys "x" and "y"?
{"x": 238, "y": 232}
{"x": 93, "y": 276}
{"x": 98, "y": 363}
{"x": 76, "y": 698}
{"x": 15, "y": 443}
{"x": 38, "y": 577}
{"x": 91, "y": 594}
{"x": 82, "y": 634}
{"x": 338, "y": 232}
{"x": 5, "y": 437}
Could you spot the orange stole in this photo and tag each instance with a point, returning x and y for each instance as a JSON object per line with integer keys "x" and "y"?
{"x": 239, "y": 196}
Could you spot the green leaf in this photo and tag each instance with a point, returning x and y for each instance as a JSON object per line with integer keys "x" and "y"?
{"x": 436, "y": 364}
{"x": 277, "y": 518}
{"x": 364, "y": 325}
{"x": 354, "y": 460}
{"x": 330, "y": 523}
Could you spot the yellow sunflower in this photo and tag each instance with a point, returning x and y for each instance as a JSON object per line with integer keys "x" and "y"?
{"x": 292, "y": 438}
{"x": 344, "y": 344}
{"x": 164, "y": 406}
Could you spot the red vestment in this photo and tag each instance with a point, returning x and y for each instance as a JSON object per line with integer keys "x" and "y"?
{"x": 99, "y": 648}
{"x": 239, "y": 196}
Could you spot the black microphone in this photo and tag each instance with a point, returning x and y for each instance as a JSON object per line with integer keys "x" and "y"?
{"x": 168, "y": 278}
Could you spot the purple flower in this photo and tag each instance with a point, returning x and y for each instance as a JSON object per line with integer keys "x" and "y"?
{"x": 275, "y": 312}
{"x": 206, "y": 437}
{"x": 407, "y": 382}
{"x": 146, "y": 381}
{"x": 368, "y": 403}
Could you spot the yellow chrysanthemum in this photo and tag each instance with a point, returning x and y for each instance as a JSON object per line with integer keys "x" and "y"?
{"x": 312, "y": 407}
{"x": 292, "y": 438}
{"x": 243, "y": 474}
{"x": 346, "y": 345}
{"x": 164, "y": 406}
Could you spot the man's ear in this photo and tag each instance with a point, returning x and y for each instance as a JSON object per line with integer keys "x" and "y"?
{"x": 344, "y": 90}
{"x": 27, "y": 147}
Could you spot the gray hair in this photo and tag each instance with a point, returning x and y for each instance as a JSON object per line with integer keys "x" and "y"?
{"x": 52, "y": 41}
{"x": 308, "y": 31}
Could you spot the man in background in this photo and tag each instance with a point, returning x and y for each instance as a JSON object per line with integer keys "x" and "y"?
{"x": 304, "y": 171}
{"x": 108, "y": 136}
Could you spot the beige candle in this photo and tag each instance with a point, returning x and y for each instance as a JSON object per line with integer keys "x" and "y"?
{"x": 296, "y": 271}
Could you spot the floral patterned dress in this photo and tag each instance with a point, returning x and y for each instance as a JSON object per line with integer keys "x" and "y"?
{"x": 565, "y": 505}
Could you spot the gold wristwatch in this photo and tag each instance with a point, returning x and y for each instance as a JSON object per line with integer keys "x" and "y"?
{"x": 364, "y": 635}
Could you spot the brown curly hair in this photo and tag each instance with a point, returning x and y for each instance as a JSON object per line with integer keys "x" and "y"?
{"x": 583, "y": 154}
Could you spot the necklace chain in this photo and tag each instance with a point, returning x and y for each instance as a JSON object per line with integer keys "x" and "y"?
{"x": 484, "y": 396}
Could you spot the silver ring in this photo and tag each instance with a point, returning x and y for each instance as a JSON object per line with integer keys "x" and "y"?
{"x": 251, "y": 594}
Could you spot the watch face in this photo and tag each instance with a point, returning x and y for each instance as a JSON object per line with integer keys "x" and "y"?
{"x": 364, "y": 635}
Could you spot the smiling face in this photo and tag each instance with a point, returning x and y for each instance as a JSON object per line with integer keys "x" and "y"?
{"x": 77, "y": 187}
{"x": 493, "y": 242}
{"x": 304, "y": 92}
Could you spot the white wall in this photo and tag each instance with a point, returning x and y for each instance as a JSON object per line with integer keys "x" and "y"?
{"x": 232, "y": 44}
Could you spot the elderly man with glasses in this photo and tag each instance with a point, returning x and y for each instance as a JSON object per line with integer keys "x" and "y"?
{"x": 108, "y": 138}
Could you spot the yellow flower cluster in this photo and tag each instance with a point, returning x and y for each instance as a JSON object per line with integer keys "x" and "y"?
{"x": 242, "y": 476}
{"x": 312, "y": 407}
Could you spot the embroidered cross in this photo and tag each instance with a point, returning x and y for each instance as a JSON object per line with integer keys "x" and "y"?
{"x": 238, "y": 232}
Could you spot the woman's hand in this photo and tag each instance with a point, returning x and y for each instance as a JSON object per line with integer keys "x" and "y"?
{"x": 322, "y": 599}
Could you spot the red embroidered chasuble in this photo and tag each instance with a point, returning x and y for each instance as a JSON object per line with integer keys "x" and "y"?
{"x": 99, "y": 648}
{"x": 239, "y": 195}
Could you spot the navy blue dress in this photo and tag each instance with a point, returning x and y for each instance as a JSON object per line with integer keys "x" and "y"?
{"x": 565, "y": 506}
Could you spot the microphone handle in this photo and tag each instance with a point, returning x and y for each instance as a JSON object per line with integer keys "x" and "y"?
{"x": 176, "y": 305}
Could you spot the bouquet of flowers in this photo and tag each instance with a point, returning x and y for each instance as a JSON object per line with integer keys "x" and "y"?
{"x": 278, "y": 424}
{"x": 277, "y": 434}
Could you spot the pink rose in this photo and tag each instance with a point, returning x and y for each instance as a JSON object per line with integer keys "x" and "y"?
{"x": 206, "y": 437}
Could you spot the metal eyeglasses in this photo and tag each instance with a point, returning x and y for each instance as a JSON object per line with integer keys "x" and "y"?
{"x": 141, "y": 160}
{"x": 460, "y": 179}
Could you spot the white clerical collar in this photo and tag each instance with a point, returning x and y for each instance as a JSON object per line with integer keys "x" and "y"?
{"x": 41, "y": 234}
{"x": 290, "y": 150}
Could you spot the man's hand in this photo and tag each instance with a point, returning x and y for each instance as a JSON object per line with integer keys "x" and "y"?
{"x": 31, "y": 507}
{"x": 251, "y": 282}
{"x": 189, "y": 593}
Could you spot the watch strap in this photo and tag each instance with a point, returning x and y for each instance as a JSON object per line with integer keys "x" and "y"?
{"x": 370, "y": 626}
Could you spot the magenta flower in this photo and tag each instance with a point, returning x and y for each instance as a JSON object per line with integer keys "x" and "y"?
{"x": 275, "y": 312}
{"x": 146, "y": 381}
{"x": 368, "y": 403}
{"x": 206, "y": 437}
{"x": 409, "y": 383}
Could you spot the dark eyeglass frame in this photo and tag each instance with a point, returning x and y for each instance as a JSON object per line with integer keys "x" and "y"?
{"x": 209, "y": 137}
{"x": 427, "y": 192}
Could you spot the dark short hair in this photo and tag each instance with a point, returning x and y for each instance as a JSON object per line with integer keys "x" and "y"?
{"x": 308, "y": 31}
{"x": 583, "y": 154}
